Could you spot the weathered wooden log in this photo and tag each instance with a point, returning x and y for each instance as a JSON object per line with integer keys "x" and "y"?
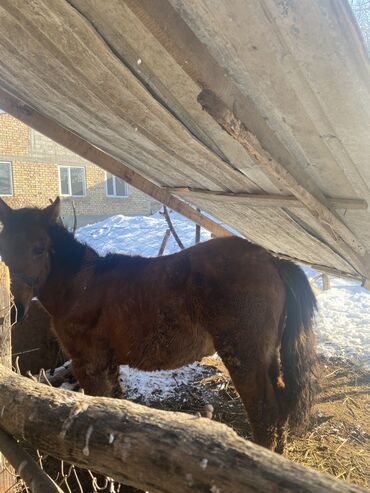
{"x": 153, "y": 450}
{"x": 61, "y": 375}
{"x": 26, "y": 467}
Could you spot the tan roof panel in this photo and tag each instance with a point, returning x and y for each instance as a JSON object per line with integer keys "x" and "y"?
{"x": 125, "y": 76}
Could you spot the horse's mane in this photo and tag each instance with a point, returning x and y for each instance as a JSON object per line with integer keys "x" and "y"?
{"x": 74, "y": 254}
{"x": 69, "y": 250}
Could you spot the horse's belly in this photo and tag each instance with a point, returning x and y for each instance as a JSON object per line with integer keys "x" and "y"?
{"x": 173, "y": 351}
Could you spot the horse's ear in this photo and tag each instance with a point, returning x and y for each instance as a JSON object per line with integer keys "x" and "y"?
{"x": 5, "y": 211}
{"x": 52, "y": 211}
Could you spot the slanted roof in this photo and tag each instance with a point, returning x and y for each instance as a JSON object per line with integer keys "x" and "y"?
{"x": 125, "y": 77}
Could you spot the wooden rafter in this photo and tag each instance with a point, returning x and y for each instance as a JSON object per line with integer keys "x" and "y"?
{"x": 346, "y": 242}
{"x": 20, "y": 110}
{"x": 261, "y": 200}
{"x": 323, "y": 268}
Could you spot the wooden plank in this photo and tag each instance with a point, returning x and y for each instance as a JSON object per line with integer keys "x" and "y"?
{"x": 76, "y": 144}
{"x": 270, "y": 51}
{"x": 293, "y": 240}
{"x": 262, "y": 200}
{"x": 187, "y": 30}
{"x": 151, "y": 449}
{"x": 193, "y": 33}
{"x": 345, "y": 240}
{"x": 8, "y": 479}
{"x": 5, "y": 325}
{"x": 67, "y": 71}
{"x": 322, "y": 268}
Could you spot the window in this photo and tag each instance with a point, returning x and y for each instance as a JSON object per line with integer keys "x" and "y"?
{"x": 6, "y": 181}
{"x": 72, "y": 181}
{"x": 115, "y": 187}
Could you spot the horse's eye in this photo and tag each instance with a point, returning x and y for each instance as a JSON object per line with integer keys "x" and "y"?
{"x": 38, "y": 251}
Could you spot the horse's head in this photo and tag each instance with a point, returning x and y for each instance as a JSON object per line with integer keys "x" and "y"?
{"x": 24, "y": 247}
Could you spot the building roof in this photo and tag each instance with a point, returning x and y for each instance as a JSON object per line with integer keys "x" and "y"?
{"x": 281, "y": 153}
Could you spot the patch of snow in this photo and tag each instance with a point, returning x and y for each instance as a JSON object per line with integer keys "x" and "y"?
{"x": 343, "y": 322}
{"x": 151, "y": 386}
{"x": 342, "y": 325}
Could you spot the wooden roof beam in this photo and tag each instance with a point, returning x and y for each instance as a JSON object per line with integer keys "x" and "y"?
{"x": 20, "y": 110}
{"x": 261, "y": 200}
{"x": 345, "y": 241}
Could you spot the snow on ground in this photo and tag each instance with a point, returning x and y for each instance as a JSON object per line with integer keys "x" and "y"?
{"x": 343, "y": 321}
{"x": 160, "y": 385}
{"x": 139, "y": 235}
{"x": 342, "y": 324}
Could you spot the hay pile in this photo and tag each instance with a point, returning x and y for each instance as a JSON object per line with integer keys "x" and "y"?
{"x": 338, "y": 439}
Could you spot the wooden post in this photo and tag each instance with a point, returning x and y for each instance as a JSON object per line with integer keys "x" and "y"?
{"x": 164, "y": 242}
{"x": 197, "y": 231}
{"x": 325, "y": 282}
{"x": 7, "y": 478}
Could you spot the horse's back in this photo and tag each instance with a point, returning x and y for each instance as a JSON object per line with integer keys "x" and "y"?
{"x": 162, "y": 312}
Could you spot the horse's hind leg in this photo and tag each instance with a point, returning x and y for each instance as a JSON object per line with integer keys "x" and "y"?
{"x": 277, "y": 381}
{"x": 249, "y": 370}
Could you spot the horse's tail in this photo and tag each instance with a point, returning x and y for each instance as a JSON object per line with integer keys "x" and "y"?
{"x": 298, "y": 352}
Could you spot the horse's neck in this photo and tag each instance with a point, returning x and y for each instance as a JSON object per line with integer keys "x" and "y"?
{"x": 68, "y": 258}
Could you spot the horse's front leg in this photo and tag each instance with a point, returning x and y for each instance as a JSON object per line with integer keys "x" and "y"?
{"x": 99, "y": 378}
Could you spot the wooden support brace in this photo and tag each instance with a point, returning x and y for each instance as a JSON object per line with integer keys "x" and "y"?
{"x": 156, "y": 451}
{"x": 172, "y": 228}
{"x": 321, "y": 268}
{"x": 76, "y": 144}
{"x": 346, "y": 242}
{"x": 166, "y": 237}
{"x": 261, "y": 200}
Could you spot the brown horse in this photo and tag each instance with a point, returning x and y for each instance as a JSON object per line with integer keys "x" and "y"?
{"x": 161, "y": 313}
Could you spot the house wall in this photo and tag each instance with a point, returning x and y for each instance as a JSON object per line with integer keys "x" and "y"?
{"x": 35, "y": 161}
